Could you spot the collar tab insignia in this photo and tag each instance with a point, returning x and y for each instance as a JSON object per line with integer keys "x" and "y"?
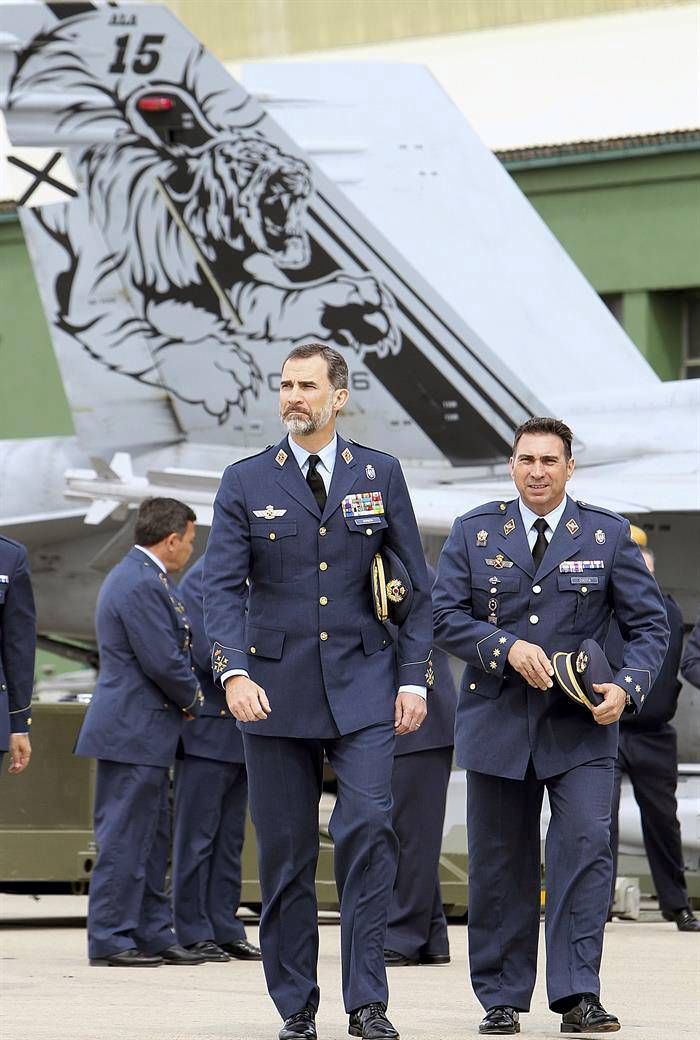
{"x": 571, "y": 526}
{"x": 281, "y": 457}
{"x": 509, "y": 527}
{"x": 346, "y": 455}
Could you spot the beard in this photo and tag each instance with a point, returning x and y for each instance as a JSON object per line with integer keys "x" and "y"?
{"x": 303, "y": 425}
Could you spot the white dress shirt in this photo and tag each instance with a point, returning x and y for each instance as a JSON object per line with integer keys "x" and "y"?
{"x": 529, "y": 518}
{"x": 152, "y": 556}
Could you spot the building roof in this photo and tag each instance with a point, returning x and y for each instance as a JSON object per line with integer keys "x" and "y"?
{"x": 610, "y": 148}
{"x": 631, "y": 74}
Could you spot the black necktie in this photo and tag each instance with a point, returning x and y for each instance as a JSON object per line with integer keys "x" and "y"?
{"x": 540, "y": 546}
{"x": 315, "y": 482}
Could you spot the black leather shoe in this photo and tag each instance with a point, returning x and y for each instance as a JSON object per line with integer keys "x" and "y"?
{"x": 303, "y": 1024}
{"x": 685, "y": 919}
{"x": 242, "y": 950}
{"x": 589, "y": 1016}
{"x": 177, "y": 954}
{"x": 209, "y": 950}
{"x": 128, "y": 959}
{"x": 434, "y": 958}
{"x": 370, "y": 1022}
{"x": 500, "y": 1019}
{"x": 394, "y": 959}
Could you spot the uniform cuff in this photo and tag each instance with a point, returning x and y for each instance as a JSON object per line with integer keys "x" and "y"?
{"x": 493, "y": 651}
{"x": 420, "y": 691}
{"x": 636, "y": 682}
{"x": 21, "y": 720}
{"x": 226, "y": 660}
{"x": 417, "y": 673}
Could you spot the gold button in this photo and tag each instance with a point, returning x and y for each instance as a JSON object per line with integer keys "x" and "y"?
{"x": 537, "y": 589}
{"x": 502, "y": 507}
{"x": 324, "y": 636}
{"x": 166, "y": 705}
{"x": 323, "y": 566}
{"x": 494, "y": 590}
{"x": 369, "y": 531}
{"x": 253, "y": 650}
{"x": 272, "y": 536}
{"x": 323, "y": 600}
{"x": 222, "y": 712}
{"x": 472, "y": 685}
{"x": 534, "y": 619}
{"x": 322, "y": 531}
{"x": 29, "y": 721}
{"x": 584, "y": 589}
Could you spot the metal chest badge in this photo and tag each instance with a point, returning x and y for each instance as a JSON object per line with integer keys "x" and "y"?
{"x": 600, "y": 536}
{"x": 370, "y": 471}
{"x": 481, "y": 539}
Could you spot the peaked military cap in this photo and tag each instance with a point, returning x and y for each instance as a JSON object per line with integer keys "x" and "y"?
{"x": 577, "y": 671}
{"x": 392, "y": 588}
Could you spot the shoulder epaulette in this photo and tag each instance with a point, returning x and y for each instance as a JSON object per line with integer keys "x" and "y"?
{"x": 599, "y": 509}
{"x": 487, "y": 509}
{"x": 255, "y": 456}
{"x": 11, "y": 541}
{"x": 366, "y": 447}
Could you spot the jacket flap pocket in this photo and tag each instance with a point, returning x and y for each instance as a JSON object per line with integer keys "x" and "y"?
{"x": 375, "y": 637}
{"x": 264, "y": 642}
{"x": 474, "y": 681}
{"x": 272, "y": 529}
{"x": 364, "y": 523}
{"x": 507, "y": 583}
{"x": 581, "y": 583}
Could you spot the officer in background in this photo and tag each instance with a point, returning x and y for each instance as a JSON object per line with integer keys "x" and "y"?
{"x": 145, "y": 690}
{"x": 211, "y": 798}
{"x": 690, "y": 664}
{"x": 648, "y": 754}
{"x": 518, "y": 581}
{"x": 308, "y": 668}
{"x": 417, "y": 928}
{"x": 17, "y": 650}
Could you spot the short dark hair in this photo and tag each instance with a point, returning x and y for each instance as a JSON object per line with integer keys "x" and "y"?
{"x": 336, "y": 363}
{"x": 159, "y": 517}
{"x": 545, "y": 424}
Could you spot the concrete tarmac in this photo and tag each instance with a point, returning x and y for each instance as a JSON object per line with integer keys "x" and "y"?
{"x": 651, "y": 980}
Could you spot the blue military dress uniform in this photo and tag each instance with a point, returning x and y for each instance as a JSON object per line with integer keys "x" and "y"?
{"x": 132, "y": 727}
{"x": 17, "y": 641}
{"x": 211, "y": 797}
{"x": 515, "y": 740}
{"x": 417, "y": 928}
{"x": 305, "y": 630}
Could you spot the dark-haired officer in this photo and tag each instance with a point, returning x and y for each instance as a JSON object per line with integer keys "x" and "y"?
{"x": 211, "y": 798}
{"x": 416, "y": 927}
{"x": 17, "y": 650}
{"x": 308, "y": 668}
{"x": 145, "y": 690}
{"x": 518, "y": 581}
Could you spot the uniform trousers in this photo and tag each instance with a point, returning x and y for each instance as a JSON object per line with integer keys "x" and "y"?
{"x": 416, "y": 923}
{"x": 650, "y": 758}
{"x": 128, "y": 906}
{"x": 210, "y": 806}
{"x": 503, "y": 828}
{"x": 285, "y": 782}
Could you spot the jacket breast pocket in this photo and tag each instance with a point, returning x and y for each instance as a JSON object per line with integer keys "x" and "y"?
{"x": 499, "y": 598}
{"x": 581, "y": 596}
{"x": 363, "y": 541}
{"x": 274, "y": 549}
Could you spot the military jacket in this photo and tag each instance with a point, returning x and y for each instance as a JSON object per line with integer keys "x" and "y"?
{"x": 489, "y": 593}
{"x": 146, "y": 678}
{"x": 287, "y": 592}
{"x": 17, "y": 641}
{"x": 214, "y": 733}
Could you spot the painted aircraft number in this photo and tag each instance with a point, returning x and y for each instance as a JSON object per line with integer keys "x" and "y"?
{"x": 146, "y": 58}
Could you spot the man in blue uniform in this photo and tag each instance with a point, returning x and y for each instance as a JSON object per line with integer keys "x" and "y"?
{"x": 648, "y": 754}
{"x": 17, "y": 650}
{"x": 518, "y": 581}
{"x": 416, "y": 928}
{"x": 211, "y": 797}
{"x": 307, "y": 668}
{"x": 145, "y": 690}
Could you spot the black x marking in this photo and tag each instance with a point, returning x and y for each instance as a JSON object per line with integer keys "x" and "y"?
{"x": 41, "y": 177}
